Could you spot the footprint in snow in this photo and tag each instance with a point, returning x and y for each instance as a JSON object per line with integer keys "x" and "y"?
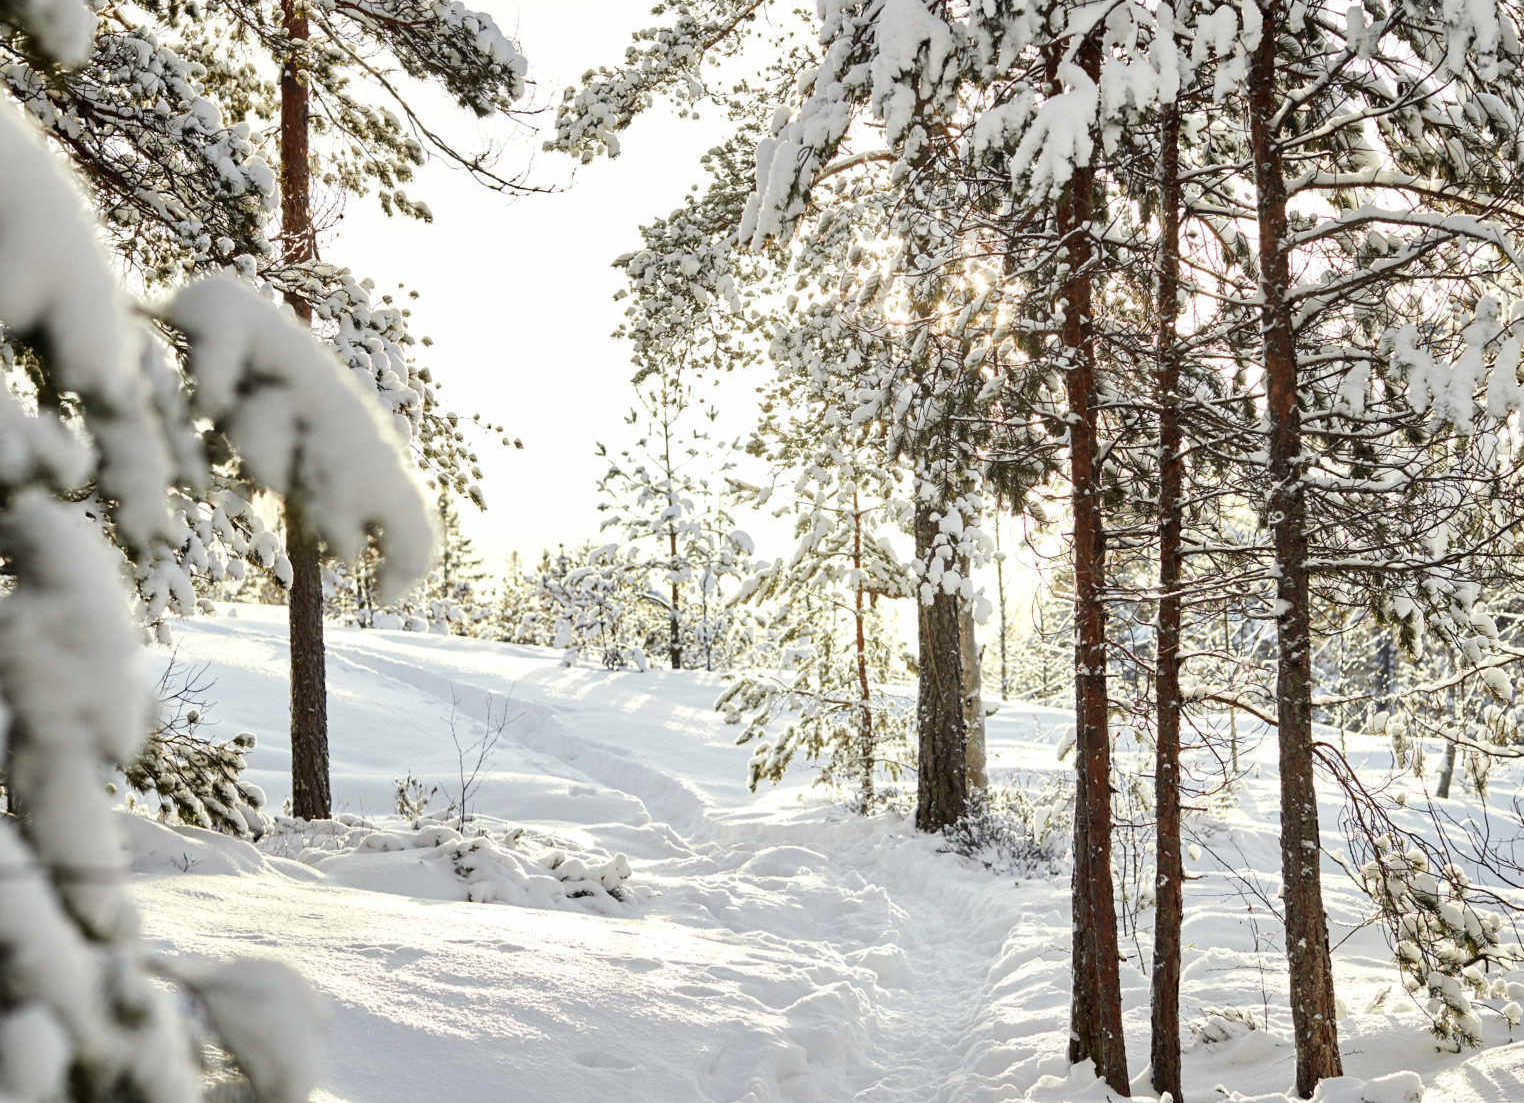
{"x": 593, "y": 1059}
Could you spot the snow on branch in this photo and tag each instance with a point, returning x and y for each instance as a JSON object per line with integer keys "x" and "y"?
{"x": 68, "y": 306}
{"x": 302, "y": 425}
{"x": 448, "y": 42}
{"x": 61, "y": 30}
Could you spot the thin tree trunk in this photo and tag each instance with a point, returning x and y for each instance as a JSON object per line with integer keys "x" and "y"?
{"x": 675, "y": 645}
{"x": 1387, "y": 664}
{"x": 942, "y": 779}
{"x": 1311, "y": 978}
{"x": 1005, "y": 675}
{"x": 1227, "y": 650}
{"x": 1446, "y": 771}
{"x": 865, "y": 695}
{"x": 1097, "y": 1013}
{"x": 973, "y": 701}
{"x": 1169, "y": 870}
{"x": 310, "y": 797}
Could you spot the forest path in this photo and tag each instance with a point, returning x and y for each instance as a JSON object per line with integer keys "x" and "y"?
{"x": 904, "y": 950}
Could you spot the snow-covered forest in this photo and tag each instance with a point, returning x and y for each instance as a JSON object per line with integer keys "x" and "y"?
{"x": 1051, "y": 626}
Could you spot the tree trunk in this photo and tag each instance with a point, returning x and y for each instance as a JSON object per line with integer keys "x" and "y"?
{"x": 941, "y": 778}
{"x": 1097, "y": 1012}
{"x": 309, "y": 691}
{"x": 1169, "y": 871}
{"x": 310, "y": 798}
{"x": 1386, "y": 660}
{"x": 1446, "y": 771}
{"x": 675, "y": 645}
{"x": 973, "y": 701}
{"x": 1227, "y": 649}
{"x": 865, "y": 748}
{"x": 1005, "y": 675}
{"x": 1312, "y": 991}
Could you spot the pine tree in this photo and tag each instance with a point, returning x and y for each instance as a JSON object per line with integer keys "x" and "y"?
{"x": 90, "y": 1000}
{"x": 159, "y": 120}
{"x": 1332, "y": 423}
{"x": 827, "y": 652}
{"x": 195, "y": 780}
{"x": 825, "y": 657}
{"x": 678, "y": 542}
{"x": 483, "y": 71}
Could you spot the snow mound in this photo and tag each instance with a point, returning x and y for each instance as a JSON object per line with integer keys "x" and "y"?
{"x": 1486, "y": 1076}
{"x": 1396, "y": 1087}
{"x": 429, "y": 859}
{"x": 157, "y": 847}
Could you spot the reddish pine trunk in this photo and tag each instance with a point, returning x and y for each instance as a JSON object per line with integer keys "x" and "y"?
{"x": 310, "y": 798}
{"x": 1312, "y": 991}
{"x": 1097, "y": 1012}
{"x": 1168, "y": 870}
{"x": 309, "y": 693}
{"x": 942, "y": 778}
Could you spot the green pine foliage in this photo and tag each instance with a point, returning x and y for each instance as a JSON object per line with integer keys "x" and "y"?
{"x": 193, "y": 778}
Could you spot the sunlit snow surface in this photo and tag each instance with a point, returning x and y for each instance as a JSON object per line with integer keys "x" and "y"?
{"x": 772, "y": 948}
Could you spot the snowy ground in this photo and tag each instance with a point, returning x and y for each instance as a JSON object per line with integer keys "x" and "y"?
{"x": 768, "y": 947}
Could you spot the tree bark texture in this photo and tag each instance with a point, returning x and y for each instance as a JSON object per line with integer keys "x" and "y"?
{"x": 1168, "y": 868}
{"x": 1097, "y": 1012}
{"x": 674, "y": 619}
{"x": 310, "y": 798}
{"x": 942, "y": 770}
{"x": 1312, "y": 991}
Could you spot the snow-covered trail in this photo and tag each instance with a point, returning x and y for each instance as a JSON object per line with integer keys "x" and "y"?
{"x": 778, "y": 950}
{"x": 790, "y": 952}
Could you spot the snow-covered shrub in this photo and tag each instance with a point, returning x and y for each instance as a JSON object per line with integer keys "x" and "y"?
{"x": 1443, "y": 943}
{"x": 1216, "y": 1025}
{"x": 497, "y": 865}
{"x": 196, "y": 780}
{"x": 1013, "y": 833}
{"x": 496, "y": 873}
{"x": 413, "y": 798}
{"x": 592, "y": 602}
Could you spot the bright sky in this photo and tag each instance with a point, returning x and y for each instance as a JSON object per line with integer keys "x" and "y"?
{"x": 517, "y": 294}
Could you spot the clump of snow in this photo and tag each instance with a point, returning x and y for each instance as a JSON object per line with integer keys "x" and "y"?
{"x": 154, "y": 847}
{"x": 69, "y": 303}
{"x": 260, "y": 377}
{"x": 34, "y": 1053}
{"x": 264, "y": 1012}
{"x": 61, "y": 29}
